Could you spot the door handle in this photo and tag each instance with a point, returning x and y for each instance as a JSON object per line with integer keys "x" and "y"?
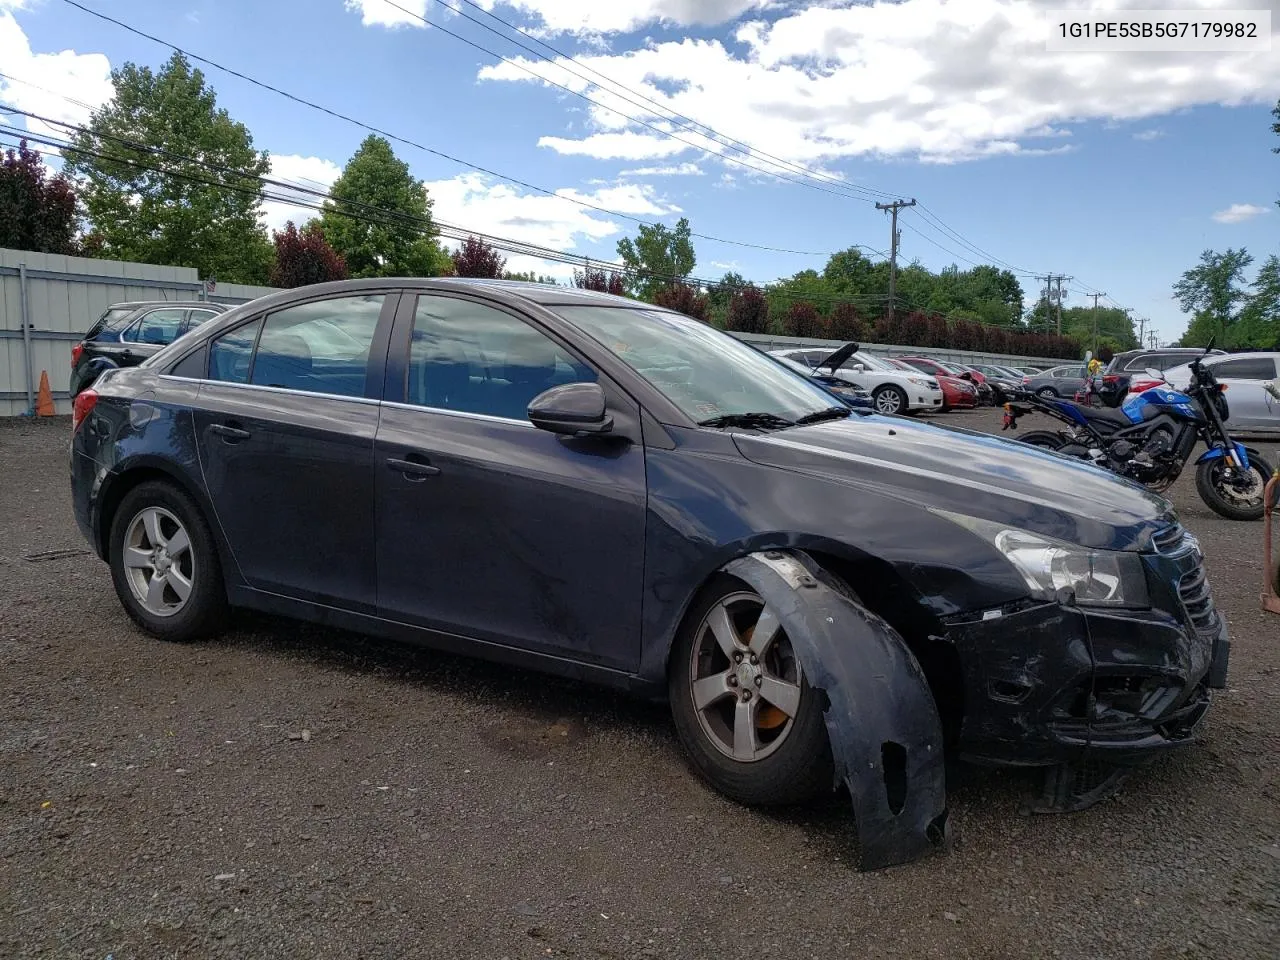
{"x": 415, "y": 470}
{"x": 229, "y": 433}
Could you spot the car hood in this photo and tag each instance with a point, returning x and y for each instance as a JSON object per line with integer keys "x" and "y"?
{"x": 969, "y": 473}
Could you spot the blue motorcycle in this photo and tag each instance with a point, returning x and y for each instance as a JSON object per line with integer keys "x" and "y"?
{"x": 1150, "y": 437}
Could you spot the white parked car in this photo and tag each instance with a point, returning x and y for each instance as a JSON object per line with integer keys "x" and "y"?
{"x": 1254, "y": 409}
{"x": 892, "y": 389}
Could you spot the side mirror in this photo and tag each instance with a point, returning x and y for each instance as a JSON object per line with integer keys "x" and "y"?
{"x": 858, "y": 367}
{"x": 571, "y": 409}
{"x": 966, "y": 375}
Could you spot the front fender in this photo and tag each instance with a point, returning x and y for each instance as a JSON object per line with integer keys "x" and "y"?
{"x": 881, "y": 719}
{"x": 1242, "y": 454}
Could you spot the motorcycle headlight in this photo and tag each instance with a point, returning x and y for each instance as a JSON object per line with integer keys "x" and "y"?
{"x": 1101, "y": 578}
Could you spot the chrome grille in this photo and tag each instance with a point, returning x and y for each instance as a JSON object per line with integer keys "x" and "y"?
{"x": 1193, "y": 589}
{"x": 1170, "y": 540}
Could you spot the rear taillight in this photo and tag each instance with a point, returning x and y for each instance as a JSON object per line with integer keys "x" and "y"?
{"x": 1026, "y": 381}
{"x": 83, "y": 405}
{"x": 75, "y": 353}
{"x": 1142, "y": 386}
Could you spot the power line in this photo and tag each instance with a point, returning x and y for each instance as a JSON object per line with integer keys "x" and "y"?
{"x": 933, "y": 218}
{"x": 687, "y": 123}
{"x": 412, "y": 143}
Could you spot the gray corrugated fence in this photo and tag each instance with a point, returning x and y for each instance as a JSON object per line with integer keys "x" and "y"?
{"x": 60, "y": 298}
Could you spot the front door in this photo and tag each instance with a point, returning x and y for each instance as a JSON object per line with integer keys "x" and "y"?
{"x": 487, "y": 526}
{"x": 285, "y": 426}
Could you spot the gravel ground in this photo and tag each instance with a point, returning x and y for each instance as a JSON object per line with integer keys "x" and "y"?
{"x": 289, "y": 791}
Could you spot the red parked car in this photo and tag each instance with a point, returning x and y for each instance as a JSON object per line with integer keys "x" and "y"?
{"x": 956, "y": 391}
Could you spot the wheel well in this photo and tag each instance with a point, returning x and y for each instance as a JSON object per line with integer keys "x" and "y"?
{"x": 115, "y": 494}
{"x": 886, "y": 594}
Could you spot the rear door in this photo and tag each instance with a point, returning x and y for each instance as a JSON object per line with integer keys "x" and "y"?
{"x": 285, "y": 425}
{"x": 1252, "y": 408}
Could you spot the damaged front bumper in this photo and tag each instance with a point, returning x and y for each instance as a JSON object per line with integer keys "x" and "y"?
{"x": 1057, "y": 684}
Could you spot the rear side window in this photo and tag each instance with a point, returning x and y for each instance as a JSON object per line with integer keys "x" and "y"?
{"x": 1245, "y": 368}
{"x": 159, "y": 327}
{"x": 113, "y": 319}
{"x": 320, "y": 347}
{"x": 231, "y": 355}
{"x": 198, "y": 317}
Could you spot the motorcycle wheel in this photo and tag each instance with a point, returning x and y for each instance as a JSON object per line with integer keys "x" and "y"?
{"x": 1231, "y": 497}
{"x": 1045, "y": 439}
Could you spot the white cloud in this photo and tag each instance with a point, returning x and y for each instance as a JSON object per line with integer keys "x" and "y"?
{"x": 582, "y": 17}
{"x": 1152, "y": 134}
{"x": 1240, "y": 212}
{"x": 674, "y": 170}
{"x": 935, "y": 79}
{"x": 312, "y": 173}
{"x": 380, "y": 13}
{"x": 476, "y": 202}
{"x": 624, "y": 146}
{"x": 84, "y": 77}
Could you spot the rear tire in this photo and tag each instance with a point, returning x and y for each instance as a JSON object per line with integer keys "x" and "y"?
{"x": 793, "y": 761}
{"x": 1045, "y": 439}
{"x": 1223, "y": 499}
{"x": 1047, "y": 392}
{"x": 164, "y": 564}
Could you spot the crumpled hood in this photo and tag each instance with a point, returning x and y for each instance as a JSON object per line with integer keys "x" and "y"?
{"x": 970, "y": 473}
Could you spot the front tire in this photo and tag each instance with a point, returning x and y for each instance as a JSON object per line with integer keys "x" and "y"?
{"x": 1047, "y": 393}
{"x": 164, "y": 564}
{"x": 890, "y": 400}
{"x": 1233, "y": 498}
{"x": 753, "y": 731}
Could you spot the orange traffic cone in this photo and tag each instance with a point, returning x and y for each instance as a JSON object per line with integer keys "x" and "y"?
{"x": 44, "y": 401}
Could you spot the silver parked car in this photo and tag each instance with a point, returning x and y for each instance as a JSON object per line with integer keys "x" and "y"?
{"x": 1245, "y": 375}
{"x": 1064, "y": 381}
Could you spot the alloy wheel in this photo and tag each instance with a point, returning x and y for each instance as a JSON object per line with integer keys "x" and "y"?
{"x": 158, "y": 561}
{"x": 745, "y": 679}
{"x": 888, "y": 402}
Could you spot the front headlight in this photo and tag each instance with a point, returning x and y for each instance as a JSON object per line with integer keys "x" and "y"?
{"x": 919, "y": 381}
{"x": 1103, "y": 578}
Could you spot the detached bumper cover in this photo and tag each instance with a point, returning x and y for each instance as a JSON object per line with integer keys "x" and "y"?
{"x": 1051, "y": 684}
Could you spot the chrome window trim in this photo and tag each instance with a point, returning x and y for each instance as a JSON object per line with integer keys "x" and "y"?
{"x": 270, "y": 390}
{"x": 465, "y": 414}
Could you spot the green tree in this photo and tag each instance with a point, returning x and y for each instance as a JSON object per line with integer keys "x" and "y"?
{"x": 657, "y": 257}
{"x": 1115, "y": 328}
{"x": 1259, "y": 324}
{"x": 378, "y": 217}
{"x": 1213, "y": 293}
{"x": 197, "y": 205}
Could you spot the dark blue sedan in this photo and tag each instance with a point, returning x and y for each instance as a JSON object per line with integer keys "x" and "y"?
{"x": 592, "y": 486}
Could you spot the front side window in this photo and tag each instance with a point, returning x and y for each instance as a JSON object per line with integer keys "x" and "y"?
{"x": 705, "y": 373}
{"x": 1245, "y": 368}
{"x": 159, "y": 327}
{"x": 472, "y": 358}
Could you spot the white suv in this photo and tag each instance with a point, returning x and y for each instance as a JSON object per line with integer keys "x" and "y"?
{"x": 892, "y": 389}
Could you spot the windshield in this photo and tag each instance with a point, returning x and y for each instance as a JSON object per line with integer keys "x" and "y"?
{"x": 705, "y": 373}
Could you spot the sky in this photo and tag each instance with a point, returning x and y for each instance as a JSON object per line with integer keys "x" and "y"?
{"x": 772, "y": 125}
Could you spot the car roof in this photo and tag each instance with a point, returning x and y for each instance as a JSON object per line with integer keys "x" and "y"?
{"x": 184, "y": 304}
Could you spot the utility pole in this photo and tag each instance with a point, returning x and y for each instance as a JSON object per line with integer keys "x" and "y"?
{"x": 1142, "y": 330}
{"x": 1053, "y": 297}
{"x": 894, "y": 236}
{"x": 1096, "y": 297}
